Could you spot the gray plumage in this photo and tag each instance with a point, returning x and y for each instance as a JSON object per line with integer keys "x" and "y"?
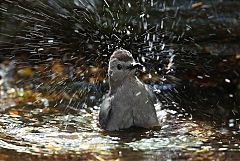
{"x": 129, "y": 102}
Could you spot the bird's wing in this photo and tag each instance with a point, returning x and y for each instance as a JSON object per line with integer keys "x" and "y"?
{"x": 105, "y": 112}
{"x": 157, "y": 104}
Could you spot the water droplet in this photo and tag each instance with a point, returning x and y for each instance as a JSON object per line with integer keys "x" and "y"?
{"x": 162, "y": 24}
{"x": 137, "y": 94}
{"x": 142, "y": 15}
{"x": 200, "y": 77}
{"x": 227, "y": 80}
{"x": 50, "y": 41}
{"x": 40, "y": 49}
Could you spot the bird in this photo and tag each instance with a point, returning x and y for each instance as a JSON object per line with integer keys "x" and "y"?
{"x": 129, "y": 102}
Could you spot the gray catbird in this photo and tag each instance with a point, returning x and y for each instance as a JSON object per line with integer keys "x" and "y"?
{"x": 129, "y": 102}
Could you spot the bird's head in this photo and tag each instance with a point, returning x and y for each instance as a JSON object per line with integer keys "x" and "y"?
{"x": 122, "y": 66}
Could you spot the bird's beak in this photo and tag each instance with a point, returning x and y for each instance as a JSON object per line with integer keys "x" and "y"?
{"x": 135, "y": 66}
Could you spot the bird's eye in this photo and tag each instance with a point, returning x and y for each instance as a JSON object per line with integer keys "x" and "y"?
{"x": 119, "y": 66}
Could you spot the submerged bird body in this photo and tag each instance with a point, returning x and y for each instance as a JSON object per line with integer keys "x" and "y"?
{"x": 129, "y": 102}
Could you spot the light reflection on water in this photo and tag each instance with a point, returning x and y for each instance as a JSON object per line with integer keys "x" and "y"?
{"x": 58, "y": 133}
